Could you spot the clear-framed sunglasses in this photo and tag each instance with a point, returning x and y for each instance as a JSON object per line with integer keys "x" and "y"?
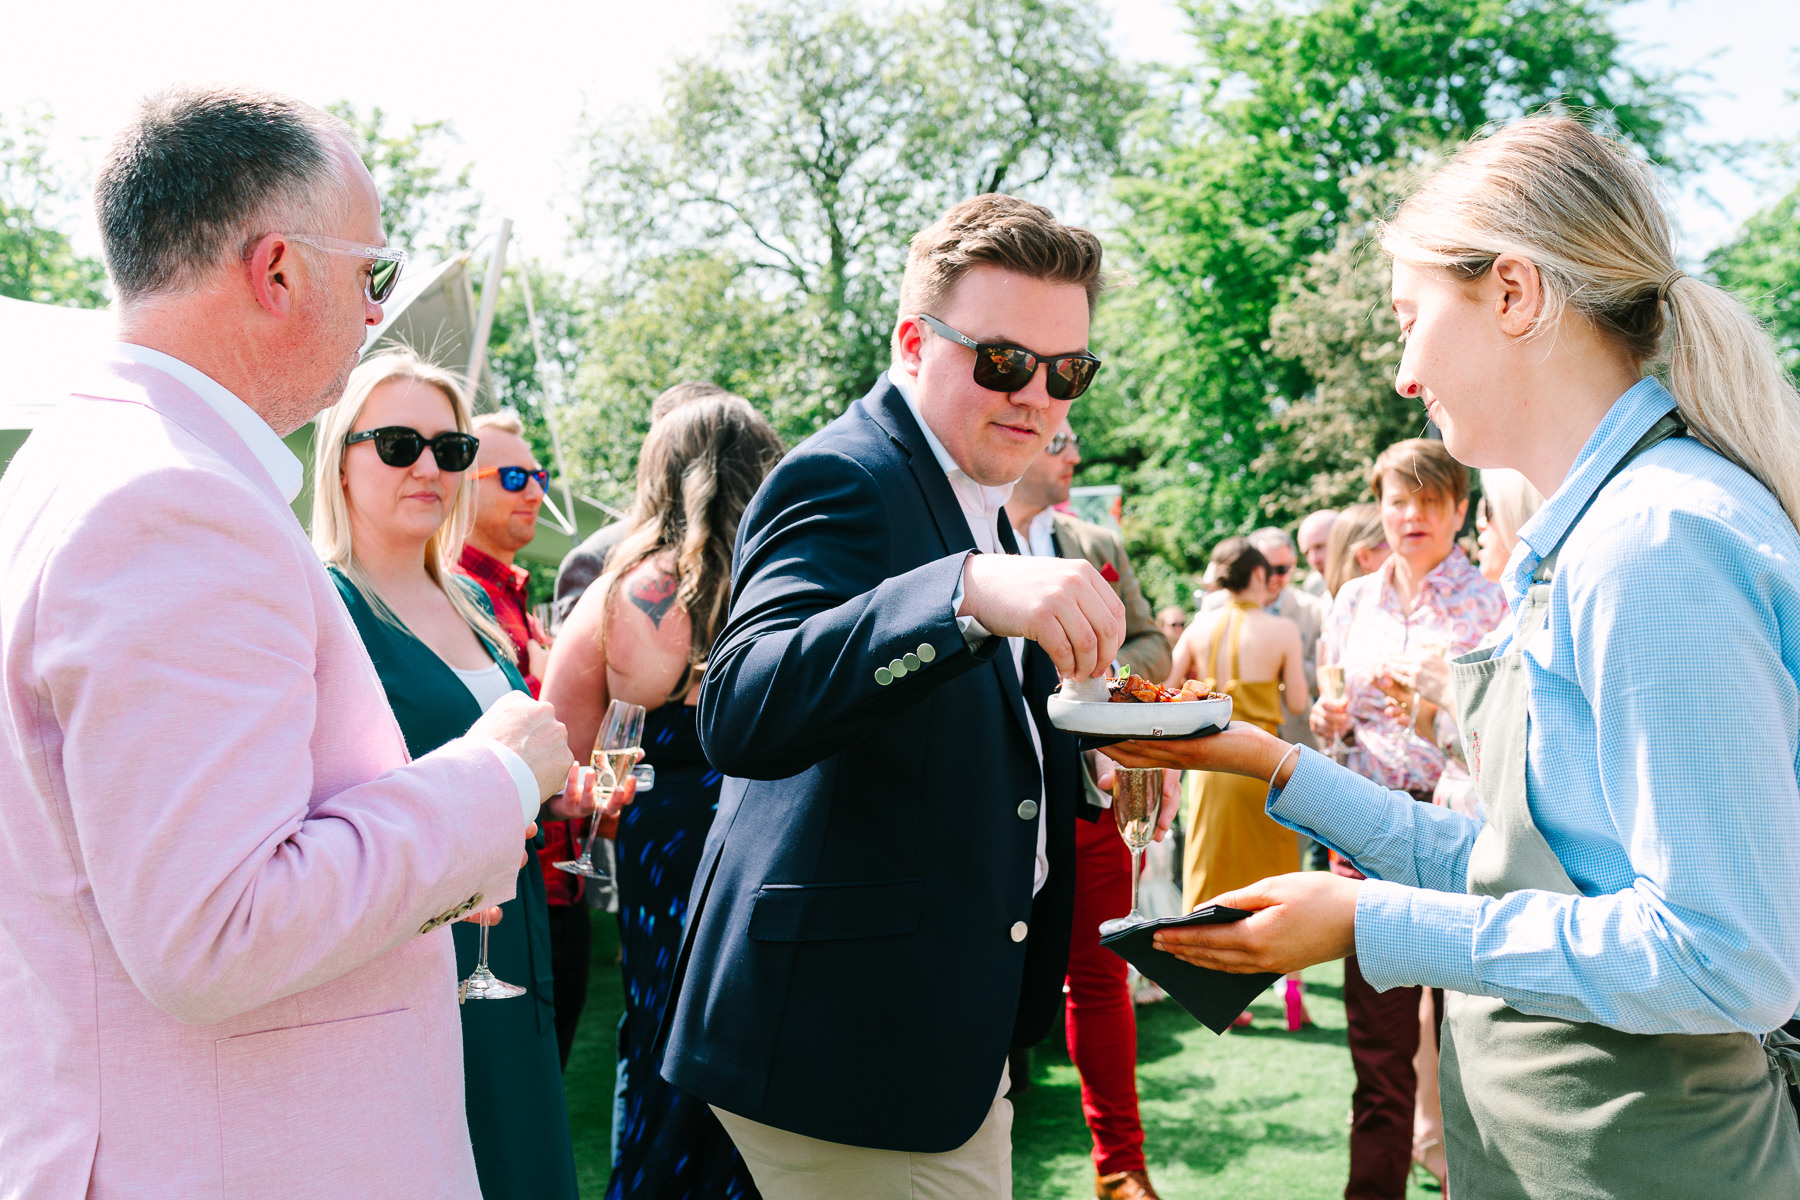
{"x": 384, "y": 272}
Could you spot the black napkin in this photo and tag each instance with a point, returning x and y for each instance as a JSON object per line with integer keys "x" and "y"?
{"x": 1214, "y": 998}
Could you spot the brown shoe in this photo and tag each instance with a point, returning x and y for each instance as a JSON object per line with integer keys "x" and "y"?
{"x": 1125, "y": 1185}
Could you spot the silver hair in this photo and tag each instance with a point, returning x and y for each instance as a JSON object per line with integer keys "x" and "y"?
{"x": 201, "y": 172}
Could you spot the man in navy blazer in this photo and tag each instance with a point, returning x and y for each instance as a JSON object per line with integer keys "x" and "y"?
{"x": 882, "y": 909}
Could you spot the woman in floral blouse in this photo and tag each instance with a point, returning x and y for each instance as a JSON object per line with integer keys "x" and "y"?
{"x": 1427, "y": 598}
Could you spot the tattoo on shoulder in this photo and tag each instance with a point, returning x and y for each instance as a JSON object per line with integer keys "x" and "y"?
{"x": 655, "y": 594}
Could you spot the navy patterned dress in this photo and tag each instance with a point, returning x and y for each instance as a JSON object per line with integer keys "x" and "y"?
{"x": 671, "y": 1147}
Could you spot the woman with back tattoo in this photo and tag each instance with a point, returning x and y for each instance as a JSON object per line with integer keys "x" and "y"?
{"x": 641, "y": 634}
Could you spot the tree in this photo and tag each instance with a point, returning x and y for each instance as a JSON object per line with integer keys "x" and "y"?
{"x": 1244, "y": 174}
{"x": 37, "y": 204}
{"x": 427, "y": 204}
{"x": 807, "y": 147}
{"x": 1762, "y": 264}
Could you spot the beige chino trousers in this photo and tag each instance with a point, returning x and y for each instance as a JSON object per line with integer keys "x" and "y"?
{"x": 791, "y": 1166}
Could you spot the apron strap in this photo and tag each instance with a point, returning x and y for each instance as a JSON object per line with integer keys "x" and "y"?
{"x": 1671, "y": 425}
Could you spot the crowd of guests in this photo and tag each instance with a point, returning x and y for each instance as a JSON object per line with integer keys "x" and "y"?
{"x": 245, "y": 872}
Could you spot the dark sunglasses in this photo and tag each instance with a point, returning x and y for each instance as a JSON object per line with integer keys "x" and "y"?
{"x": 1275, "y": 570}
{"x": 513, "y": 479}
{"x": 1003, "y": 368}
{"x": 399, "y": 446}
{"x": 1059, "y": 442}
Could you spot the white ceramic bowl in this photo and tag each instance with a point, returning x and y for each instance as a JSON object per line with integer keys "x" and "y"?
{"x": 1181, "y": 719}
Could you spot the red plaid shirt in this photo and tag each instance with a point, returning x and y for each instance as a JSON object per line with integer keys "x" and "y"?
{"x": 505, "y": 586}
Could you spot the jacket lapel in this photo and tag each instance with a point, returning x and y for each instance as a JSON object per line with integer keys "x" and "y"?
{"x": 887, "y": 408}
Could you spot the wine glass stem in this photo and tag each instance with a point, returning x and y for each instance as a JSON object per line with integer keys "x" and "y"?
{"x": 481, "y": 963}
{"x": 587, "y": 852}
{"x": 1137, "y": 856}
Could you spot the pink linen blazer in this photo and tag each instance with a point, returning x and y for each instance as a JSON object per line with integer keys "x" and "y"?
{"x": 223, "y": 969}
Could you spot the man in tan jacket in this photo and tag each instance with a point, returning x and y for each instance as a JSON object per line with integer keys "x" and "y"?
{"x": 1101, "y": 1025}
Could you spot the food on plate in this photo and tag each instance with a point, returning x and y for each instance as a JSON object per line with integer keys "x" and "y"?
{"x": 1135, "y": 689}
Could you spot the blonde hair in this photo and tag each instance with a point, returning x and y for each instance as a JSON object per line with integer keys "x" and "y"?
{"x": 995, "y": 230}
{"x": 1358, "y": 527}
{"x": 331, "y": 535}
{"x": 700, "y": 465}
{"x": 1589, "y": 218}
{"x": 1511, "y": 499}
{"x": 505, "y": 421}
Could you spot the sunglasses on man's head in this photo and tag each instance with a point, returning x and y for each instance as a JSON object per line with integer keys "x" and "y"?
{"x": 514, "y": 479}
{"x": 398, "y": 446}
{"x": 1003, "y": 368}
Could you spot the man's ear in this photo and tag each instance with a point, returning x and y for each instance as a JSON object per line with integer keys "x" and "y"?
{"x": 1518, "y": 294}
{"x": 910, "y": 340}
{"x": 273, "y": 274}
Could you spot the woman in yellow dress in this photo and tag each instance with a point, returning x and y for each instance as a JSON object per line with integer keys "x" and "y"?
{"x": 1254, "y": 657}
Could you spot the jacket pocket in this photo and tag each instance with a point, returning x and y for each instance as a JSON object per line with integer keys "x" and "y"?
{"x": 328, "y": 1110}
{"x": 825, "y": 912}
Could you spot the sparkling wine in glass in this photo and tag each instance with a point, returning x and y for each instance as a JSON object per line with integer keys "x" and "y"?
{"x": 1137, "y": 799}
{"x": 1331, "y": 689}
{"x": 616, "y": 752}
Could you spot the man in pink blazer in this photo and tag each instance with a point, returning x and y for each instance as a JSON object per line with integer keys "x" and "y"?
{"x": 224, "y": 967}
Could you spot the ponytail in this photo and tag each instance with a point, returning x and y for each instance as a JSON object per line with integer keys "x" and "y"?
{"x": 1729, "y": 385}
{"x": 1589, "y": 218}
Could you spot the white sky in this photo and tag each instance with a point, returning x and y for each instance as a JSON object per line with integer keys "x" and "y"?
{"x": 515, "y": 79}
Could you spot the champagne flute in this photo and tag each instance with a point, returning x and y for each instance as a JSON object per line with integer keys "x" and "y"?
{"x": 616, "y": 752}
{"x": 1331, "y": 689}
{"x": 1137, "y": 800}
{"x": 483, "y": 984}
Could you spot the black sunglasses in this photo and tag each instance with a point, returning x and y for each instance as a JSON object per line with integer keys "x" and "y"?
{"x": 514, "y": 479}
{"x": 1003, "y": 368}
{"x": 399, "y": 446}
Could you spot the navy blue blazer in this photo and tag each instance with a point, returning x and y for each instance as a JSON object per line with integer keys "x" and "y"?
{"x": 863, "y": 947}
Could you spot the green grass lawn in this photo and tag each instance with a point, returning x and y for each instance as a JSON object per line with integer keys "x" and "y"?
{"x": 1259, "y": 1114}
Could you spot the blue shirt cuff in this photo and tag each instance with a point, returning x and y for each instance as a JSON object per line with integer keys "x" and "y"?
{"x": 1331, "y": 804}
{"x": 1409, "y": 936}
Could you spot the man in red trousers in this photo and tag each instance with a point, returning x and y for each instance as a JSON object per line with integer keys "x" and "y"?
{"x": 1101, "y": 1026}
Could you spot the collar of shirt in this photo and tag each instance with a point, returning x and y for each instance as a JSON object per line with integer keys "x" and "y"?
{"x": 1449, "y": 577}
{"x": 980, "y": 503}
{"x": 1630, "y": 417}
{"x": 264, "y": 443}
{"x": 1039, "y": 539}
{"x": 485, "y": 567}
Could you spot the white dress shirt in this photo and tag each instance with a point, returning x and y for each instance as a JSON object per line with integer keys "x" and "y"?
{"x": 984, "y": 507}
{"x": 286, "y": 472}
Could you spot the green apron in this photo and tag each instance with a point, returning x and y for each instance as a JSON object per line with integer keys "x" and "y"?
{"x": 1536, "y": 1107}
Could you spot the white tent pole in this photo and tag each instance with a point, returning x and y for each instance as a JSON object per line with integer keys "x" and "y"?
{"x": 490, "y": 298}
{"x": 541, "y": 368}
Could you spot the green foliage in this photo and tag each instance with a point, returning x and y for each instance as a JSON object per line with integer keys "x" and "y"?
{"x": 791, "y": 163}
{"x": 427, "y": 204}
{"x": 1243, "y": 176}
{"x": 1762, "y": 264}
{"x": 37, "y": 205}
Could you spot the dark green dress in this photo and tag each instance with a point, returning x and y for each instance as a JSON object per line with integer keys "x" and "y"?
{"x": 512, "y": 1077}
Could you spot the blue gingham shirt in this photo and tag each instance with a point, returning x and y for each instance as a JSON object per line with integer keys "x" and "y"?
{"x": 1662, "y": 766}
